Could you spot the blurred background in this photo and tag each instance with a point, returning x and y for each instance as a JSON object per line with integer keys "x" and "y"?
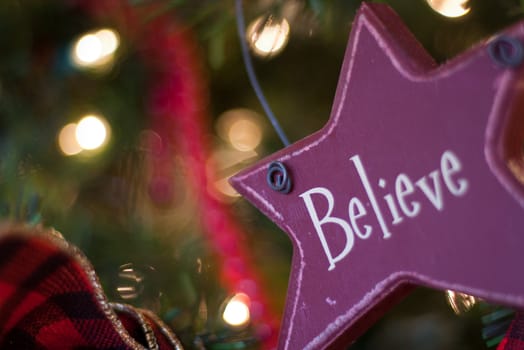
{"x": 122, "y": 120}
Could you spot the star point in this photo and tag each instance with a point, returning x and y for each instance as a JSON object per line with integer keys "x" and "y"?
{"x": 407, "y": 184}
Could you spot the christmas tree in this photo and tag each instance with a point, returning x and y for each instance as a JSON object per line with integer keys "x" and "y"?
{"x": 121, "y": 122}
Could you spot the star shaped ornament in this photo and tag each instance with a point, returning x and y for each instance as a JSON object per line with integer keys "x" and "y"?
{"x": 417, "y": 179}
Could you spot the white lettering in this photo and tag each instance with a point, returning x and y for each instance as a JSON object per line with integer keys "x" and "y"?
{"x": 328, "y": 219}
{"x": 403, "y": 188}
{"x": 356, "y": 210}
{"x": 397, "y": 219}
{"x": 435, "y": 195}
{"x": 342, "y": 233}
{"x": 449, "y": 165}
{"x": 369, "y": 191}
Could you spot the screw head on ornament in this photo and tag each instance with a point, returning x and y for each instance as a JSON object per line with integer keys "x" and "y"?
{"x": 416, "y": 179}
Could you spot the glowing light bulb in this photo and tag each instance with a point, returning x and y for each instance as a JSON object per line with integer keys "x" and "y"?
{"x": 67, "y": 140}
{"x": 224, "y": 161}
{"x": 91, "y": 132}
{"x": 95, "y": 49}
{"x": 268, "y": 35}
{"x": 450, "y": 8}
{"x": 241, "y": 128}
{"x": 88, "y": 49}
{"x": 109, "y": 41}
{"x": 245, "y": 135}
{"x": 236, "y": 312}
{"x": 226, "y": 189}
{"x": 460, "y": 302}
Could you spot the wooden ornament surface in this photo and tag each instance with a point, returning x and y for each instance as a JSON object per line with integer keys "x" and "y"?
{"x": 416, "y": 179}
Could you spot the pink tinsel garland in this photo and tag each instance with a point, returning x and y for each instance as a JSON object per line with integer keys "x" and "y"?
{"x": 178, "y": 113}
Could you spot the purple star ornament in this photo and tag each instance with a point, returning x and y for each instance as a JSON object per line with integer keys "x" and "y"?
{"x": 417, "y": 179}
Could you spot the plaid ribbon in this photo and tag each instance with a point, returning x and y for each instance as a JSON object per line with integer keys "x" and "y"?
{"x": 514, "y": 339}
{"x": 50, "y": 298}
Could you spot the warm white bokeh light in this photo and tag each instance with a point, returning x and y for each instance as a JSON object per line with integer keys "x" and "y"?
{"x": 245, "y": 135}
{"x": 268, "y": 36}
{"x": 241, "y": 128}
{"x": 224, "y": 187}
{"x": 67, "y": 140}
{"x": 88, "y": 49}
{"x": 95, "y": 49}
{"x": 226, "y": 161}
{"x": 109, "y": 41}
{"x": 91, "y": 132}
{"x": 450, "y": 8}
{"x": 236, "y": 312}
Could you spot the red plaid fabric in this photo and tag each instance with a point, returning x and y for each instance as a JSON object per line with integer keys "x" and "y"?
{"x": 514, "y": 339}
{"x": 50, "y": 298}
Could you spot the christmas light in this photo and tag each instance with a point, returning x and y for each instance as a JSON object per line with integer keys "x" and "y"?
{"x": 460, "y": 302}
{"x": 95, "y": 49}
{"x": 268, "y": 35}
{"x": 241, "y": 128}
{"x": 88, "y": 49}
{"x": 225, "y": 161}
{"x": 225, "y": 188}
{"x": 67, "y": 140}
{"x": 91, "y": 132}
{"x": 245, "y": 135}
{"x": 109, "y": 40}
{"x": 450, "y": 8}
{"x": 236, "y": 312}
